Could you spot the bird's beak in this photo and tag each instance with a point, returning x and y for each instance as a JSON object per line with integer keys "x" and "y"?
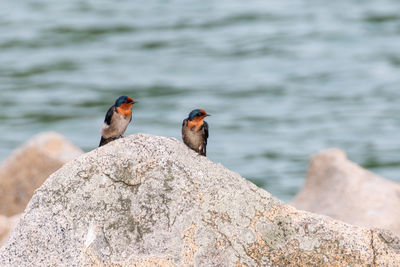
{"x": 133, "y": 102}
{"x": 208, "y": 115}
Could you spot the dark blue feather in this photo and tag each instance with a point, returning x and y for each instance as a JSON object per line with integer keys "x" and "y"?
{"x": 193, "y": 114}
{"x": 120, "y": 100}
{"x": 109, "y": 115}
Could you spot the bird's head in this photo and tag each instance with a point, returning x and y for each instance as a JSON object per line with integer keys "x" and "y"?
{"x": 124, "y": 105}
{"x": 124, "y": 101}
{"x": 197, "y": 115}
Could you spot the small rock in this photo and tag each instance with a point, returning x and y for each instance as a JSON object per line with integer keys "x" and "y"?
{"x": 343, "y": 190}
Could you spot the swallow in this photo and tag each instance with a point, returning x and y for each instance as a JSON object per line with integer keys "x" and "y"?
{"x": 117, "y": 119}
{"x": 195, "y": 131}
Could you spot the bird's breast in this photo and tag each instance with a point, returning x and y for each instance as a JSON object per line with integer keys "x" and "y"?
{"x": 193, "y": 138}
{"x": 195, "y": 125}
{"x": 124, "y": 111}
{"x": 117, "y": 127}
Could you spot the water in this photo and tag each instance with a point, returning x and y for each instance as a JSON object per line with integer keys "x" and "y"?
{"x": 282, "y": 79}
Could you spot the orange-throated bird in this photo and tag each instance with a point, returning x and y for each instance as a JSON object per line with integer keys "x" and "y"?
{"x": 195, "y": 131}
{"x": 117, "y": 119}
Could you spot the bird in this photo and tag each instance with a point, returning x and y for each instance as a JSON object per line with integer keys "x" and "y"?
{"x": 195, "y": 131}
{"x": 117, "y": 119}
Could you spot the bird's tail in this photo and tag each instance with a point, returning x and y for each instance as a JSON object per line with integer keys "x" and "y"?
{"x": 103, "y": 141}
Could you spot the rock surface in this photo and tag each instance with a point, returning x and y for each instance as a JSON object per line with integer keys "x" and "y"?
{"x": 6, "y": 225}
{"x": 150, "y": 201}
{"x": 28, "y": 166}
{"x": 343, "y": 190}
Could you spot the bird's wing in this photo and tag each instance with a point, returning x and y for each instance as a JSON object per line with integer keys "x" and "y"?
{"x": 109, "y": 115}
{"x": 183, "y": 130}
{"x": 205, "y": 127}
{"x": 205, "y": 132}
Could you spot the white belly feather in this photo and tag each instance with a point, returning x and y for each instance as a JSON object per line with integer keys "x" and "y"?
{"x": 117, "y": 127}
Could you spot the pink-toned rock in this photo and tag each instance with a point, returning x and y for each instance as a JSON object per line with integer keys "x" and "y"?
{"x": 29, "y": 166}
{"x": 343, "y": 190}
{"x": 6, "y": 226}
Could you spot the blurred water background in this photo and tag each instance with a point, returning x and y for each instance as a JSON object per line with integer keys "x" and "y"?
{"x": 282, "y": 79}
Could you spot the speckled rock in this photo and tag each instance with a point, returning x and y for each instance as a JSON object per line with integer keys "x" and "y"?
{"x": 343, "y": 190}
{"x": 6, "y": 225}
{"x": 28, "y": 166}
{"x": 150, "y": 201}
